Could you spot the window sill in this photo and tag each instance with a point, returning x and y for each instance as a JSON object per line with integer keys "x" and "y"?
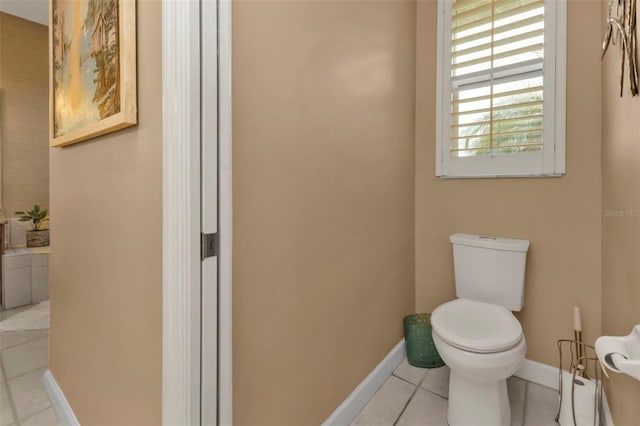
{"x": 547, "y": 175}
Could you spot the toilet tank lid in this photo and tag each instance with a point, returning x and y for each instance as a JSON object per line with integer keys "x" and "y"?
{"x": 490, "y": 242}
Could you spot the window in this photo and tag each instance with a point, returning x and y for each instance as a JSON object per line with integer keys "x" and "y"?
{"x": 501, "y": 88}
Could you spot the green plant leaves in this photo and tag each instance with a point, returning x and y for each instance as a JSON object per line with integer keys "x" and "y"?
{"x": 37, "y": 216}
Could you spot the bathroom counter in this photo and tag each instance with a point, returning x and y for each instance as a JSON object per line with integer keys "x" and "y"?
{"x": 13, "y": 251}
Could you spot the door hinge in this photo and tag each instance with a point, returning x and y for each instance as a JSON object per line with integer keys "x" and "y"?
{"x": 209, "y": 245}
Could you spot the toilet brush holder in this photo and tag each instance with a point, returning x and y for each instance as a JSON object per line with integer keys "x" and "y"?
{"x": 580, "y": 385}
{"x": 421, "y": 351}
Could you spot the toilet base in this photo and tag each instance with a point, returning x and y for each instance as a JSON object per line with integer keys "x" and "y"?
{"x": 478, "y": 403}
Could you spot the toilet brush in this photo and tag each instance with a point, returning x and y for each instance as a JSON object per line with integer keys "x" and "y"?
{"x": 577, "y": 333}
{"x": 580, "y": 396}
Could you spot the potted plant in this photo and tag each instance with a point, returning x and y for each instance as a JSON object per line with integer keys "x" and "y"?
{"x": 37, "y": 237}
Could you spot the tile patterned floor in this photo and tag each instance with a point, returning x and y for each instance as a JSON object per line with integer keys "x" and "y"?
{"x": 23, "y": 361}
{"x": 410, "y": 396}
{"x": 417, "y": 396}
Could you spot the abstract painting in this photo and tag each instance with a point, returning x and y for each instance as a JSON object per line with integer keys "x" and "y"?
{"x": 92, "y": 68}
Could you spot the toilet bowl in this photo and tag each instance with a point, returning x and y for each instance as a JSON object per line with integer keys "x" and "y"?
{"x": 483, "y": 345}
{"x": 477, "y": 335}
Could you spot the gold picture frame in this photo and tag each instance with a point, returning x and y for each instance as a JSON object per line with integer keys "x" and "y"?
{"x": 92, "y": 69}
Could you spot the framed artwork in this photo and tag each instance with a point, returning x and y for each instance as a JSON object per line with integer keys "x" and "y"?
{"x": 92, "y": 68}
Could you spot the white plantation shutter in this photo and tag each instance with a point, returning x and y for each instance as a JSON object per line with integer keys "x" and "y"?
{"x": 498, "y": 98}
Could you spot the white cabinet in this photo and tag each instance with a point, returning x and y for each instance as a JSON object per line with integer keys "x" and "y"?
{"x": 39, "y": 277}
{"x": 25, "y": 276}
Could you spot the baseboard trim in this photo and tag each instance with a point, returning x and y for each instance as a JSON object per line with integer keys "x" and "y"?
{"x": 60, "y": 403}
{"x": 539, "y": 373}
{"x": 356, "y": 401}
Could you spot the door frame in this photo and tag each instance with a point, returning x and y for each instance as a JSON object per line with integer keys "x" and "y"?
{"x": 181, "y": 173}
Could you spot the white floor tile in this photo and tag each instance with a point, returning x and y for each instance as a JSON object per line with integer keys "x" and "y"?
{"x": 387, "y": 404}
{"x": 28, "y": 393}
{"x": 425, "y": 409}
{"x": 23, "y": 361}
{"x": 25, "y": 358}
{"x": 541, "y": 406}
{"x": 410, "y": 373}
{"x": 10, "y": 312}
{"x": 437, "y": 381}
{"x": 531, "y": 404}
{"x": 6, "y": 413}
{"x": 44, "y": 418}
{"x": 516, "y": 388}
{"x": 13, "y": 338}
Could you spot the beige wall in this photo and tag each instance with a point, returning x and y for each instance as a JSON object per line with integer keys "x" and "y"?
{"x": 324, "y": 216}
{"x": 105, "y": 279}
{"x": 323, "y": 200}
{"x": 24, "y": 106}
{"x": 621, "y": 235}
{"x": 560, "y": 216}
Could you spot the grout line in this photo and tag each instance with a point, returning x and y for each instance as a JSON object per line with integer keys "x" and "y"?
{"x": 28, "y": 372}
{"x": 424, "y": 378}
{"x": 419, "y": 385}
{"x": 405, "y": 380}
{"x": 524, "y": 403}
{"x": 9, "y": 396}
{"x": 41, "y": 411}
{"x": 2, "y": 348}
{"x": 429, "y": 390}
{"x": 434, "y": 393}
{"x": 405, "y": 405}
{"x": 17, "y": 420}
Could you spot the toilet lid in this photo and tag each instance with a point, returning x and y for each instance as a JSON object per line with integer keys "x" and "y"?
{"x": 476, "y": 326}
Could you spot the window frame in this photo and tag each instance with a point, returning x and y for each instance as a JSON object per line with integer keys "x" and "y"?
{"x": 551, "y": 161}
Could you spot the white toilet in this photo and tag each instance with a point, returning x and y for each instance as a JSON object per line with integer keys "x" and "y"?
{"x": 476, "y": 335}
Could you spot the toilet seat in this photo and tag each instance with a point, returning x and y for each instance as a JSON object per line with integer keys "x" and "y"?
{"x": 476, "y": 326}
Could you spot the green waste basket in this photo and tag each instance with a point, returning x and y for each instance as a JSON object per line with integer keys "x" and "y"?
{"x": 421, "y": 351}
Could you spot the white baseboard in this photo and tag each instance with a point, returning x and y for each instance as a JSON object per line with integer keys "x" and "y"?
{"x": 539, "y": 373}
{"x": 60, "y": 404}
{"x": 355, "y": 402}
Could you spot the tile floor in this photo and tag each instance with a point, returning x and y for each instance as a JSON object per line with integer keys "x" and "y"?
{"x": 23, "y": 361}
{"x": 410, "y": 396}
{"x": 418, "y": 396}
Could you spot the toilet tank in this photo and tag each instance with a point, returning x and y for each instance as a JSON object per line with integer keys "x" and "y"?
{"x": 490, "y": 269}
